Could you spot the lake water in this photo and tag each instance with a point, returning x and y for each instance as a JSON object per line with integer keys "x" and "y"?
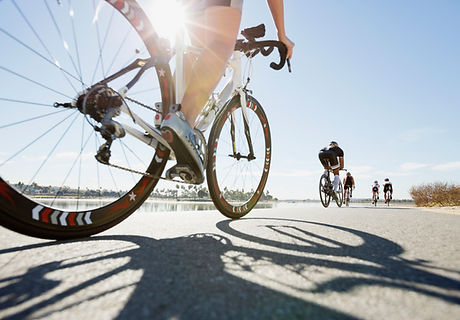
{"x": 174, "y": 206}
{"x": 164, "y": 205}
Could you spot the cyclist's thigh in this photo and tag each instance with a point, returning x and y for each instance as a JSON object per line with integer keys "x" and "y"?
{"x": 324, "y": 158}
{"x": 222, "y": 24}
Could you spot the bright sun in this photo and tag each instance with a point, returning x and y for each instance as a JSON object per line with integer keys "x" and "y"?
{"x": 167, "y": 17}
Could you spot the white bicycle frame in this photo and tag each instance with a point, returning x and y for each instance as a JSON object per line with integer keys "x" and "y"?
{"x": 233, "y": 87}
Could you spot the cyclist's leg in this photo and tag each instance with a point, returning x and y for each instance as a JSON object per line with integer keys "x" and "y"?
{"x": 221, "y": 26}
{"x": 335, "y": 169}
{"x": 221, "y": 29}
{"x": 323, "y": 158}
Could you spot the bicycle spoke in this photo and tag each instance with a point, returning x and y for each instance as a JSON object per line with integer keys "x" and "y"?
{"x": 31, "y": 119}
{"x": 77, "y": 158}
{"x": 35, "y": 140}
{"x": 100, "y": 45}
{"x": 36, "y": 82}
{"x": 64, "y": 43}
{"x": 52, "y": 150}
{"x": 54, "y": 63}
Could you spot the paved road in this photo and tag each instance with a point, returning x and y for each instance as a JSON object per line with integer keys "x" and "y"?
{"x": 285, "y": 263}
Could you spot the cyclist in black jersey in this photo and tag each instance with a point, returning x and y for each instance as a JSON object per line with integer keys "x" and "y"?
{"x": 331, "y": 158}
{"x": 349, "y": 183}
{"x": 388, "y": 186}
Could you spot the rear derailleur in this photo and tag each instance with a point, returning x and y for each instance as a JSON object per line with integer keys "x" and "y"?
{"x": 103, "y": 104}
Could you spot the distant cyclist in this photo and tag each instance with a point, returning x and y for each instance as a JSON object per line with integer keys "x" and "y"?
{"x": 387, "y": 186}
{"x": 331, "y": 158}
{"x": 349, "y": 183}
{"x": 375, "y": 191}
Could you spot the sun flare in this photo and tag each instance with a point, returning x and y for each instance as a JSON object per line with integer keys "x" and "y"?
{"x": 167, "y": 17}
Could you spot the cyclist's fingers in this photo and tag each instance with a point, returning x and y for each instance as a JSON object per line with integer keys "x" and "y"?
{"x": 289, "y": 45}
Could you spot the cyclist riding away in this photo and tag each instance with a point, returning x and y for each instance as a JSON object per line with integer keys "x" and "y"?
{"x": 387, "y": 186}
{"x": 375, "y": 190}
{"x": 349, "y": 183}
{"x": 213, "y": 27}
{"x": 332, "y": 159}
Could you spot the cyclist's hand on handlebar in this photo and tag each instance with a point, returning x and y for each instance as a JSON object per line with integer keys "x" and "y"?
{"x": 289, "y": 45}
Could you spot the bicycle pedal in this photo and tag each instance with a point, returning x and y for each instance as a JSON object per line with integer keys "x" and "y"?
{"x": 182, "y": 172}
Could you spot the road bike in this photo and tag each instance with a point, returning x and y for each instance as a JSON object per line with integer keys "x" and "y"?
{"x": 326, "y": 191}
{"x": 375, "y": 197}
{"x": 347, "y": 196}
{"x": 86, "y": 85}
{"x": 388, "y": 197}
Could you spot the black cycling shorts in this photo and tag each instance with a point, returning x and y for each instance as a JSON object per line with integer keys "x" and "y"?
{"x": 375, "y": 189}
{"x": 328, "y": 158}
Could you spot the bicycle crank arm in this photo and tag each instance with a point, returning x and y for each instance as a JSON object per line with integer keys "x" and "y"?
{"x": 151, "y": 137}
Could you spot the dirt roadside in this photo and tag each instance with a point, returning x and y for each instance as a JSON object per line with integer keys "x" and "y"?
{"x": 449, "y": 210}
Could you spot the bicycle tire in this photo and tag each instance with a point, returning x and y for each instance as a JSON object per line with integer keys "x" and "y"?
{"x": 128, "y": 34}
{"x": 346, "y": 197}
{"x": 388, "y": 198}
{"x": 324, "y": 195}
{"x": 237, "y": 183}
{"x": 339, "y": 194}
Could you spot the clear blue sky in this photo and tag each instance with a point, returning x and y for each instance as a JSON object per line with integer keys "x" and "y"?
{"x": 380, "y": 77}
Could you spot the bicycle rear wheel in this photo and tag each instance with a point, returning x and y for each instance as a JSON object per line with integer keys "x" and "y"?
{"x": 51, "y": 185}
{"x": 237, "y": 174}
{"x": 324, "y": 192}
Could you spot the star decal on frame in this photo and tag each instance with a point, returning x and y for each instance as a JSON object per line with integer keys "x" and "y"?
{"x": 132, "y": 196}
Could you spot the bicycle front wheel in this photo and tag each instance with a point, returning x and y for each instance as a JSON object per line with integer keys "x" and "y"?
{"x": 324, "y": 192}
{"x": 339, "y": 195}
{"x": 51, "y": 185}
{"x": 239, "y": 156}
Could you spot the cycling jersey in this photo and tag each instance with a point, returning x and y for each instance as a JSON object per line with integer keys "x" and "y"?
{"x": 349, "y": 182}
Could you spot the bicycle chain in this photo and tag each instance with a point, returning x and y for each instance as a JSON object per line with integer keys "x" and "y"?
{"x": 132, "y": 170}
{"x": 139, "y": 172}
{"x": 142, "y": 104}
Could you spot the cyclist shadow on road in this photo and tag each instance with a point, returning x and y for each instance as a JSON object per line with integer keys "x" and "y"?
{"x": 206, "y": 276}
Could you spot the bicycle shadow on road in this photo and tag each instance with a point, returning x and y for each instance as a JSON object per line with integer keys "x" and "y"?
{"x": 179, "y": 278}
{"x": 204, "y": 276}
{"x": 375, "y": 260}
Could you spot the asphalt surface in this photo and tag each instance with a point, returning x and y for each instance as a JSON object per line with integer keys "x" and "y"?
{"x": 284, "y": 263}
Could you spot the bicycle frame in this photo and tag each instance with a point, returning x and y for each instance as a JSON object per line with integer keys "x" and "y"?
{"x": 233, "y": 86}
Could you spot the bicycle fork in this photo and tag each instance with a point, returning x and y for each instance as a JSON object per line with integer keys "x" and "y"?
{"x": 247, "y": 133}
